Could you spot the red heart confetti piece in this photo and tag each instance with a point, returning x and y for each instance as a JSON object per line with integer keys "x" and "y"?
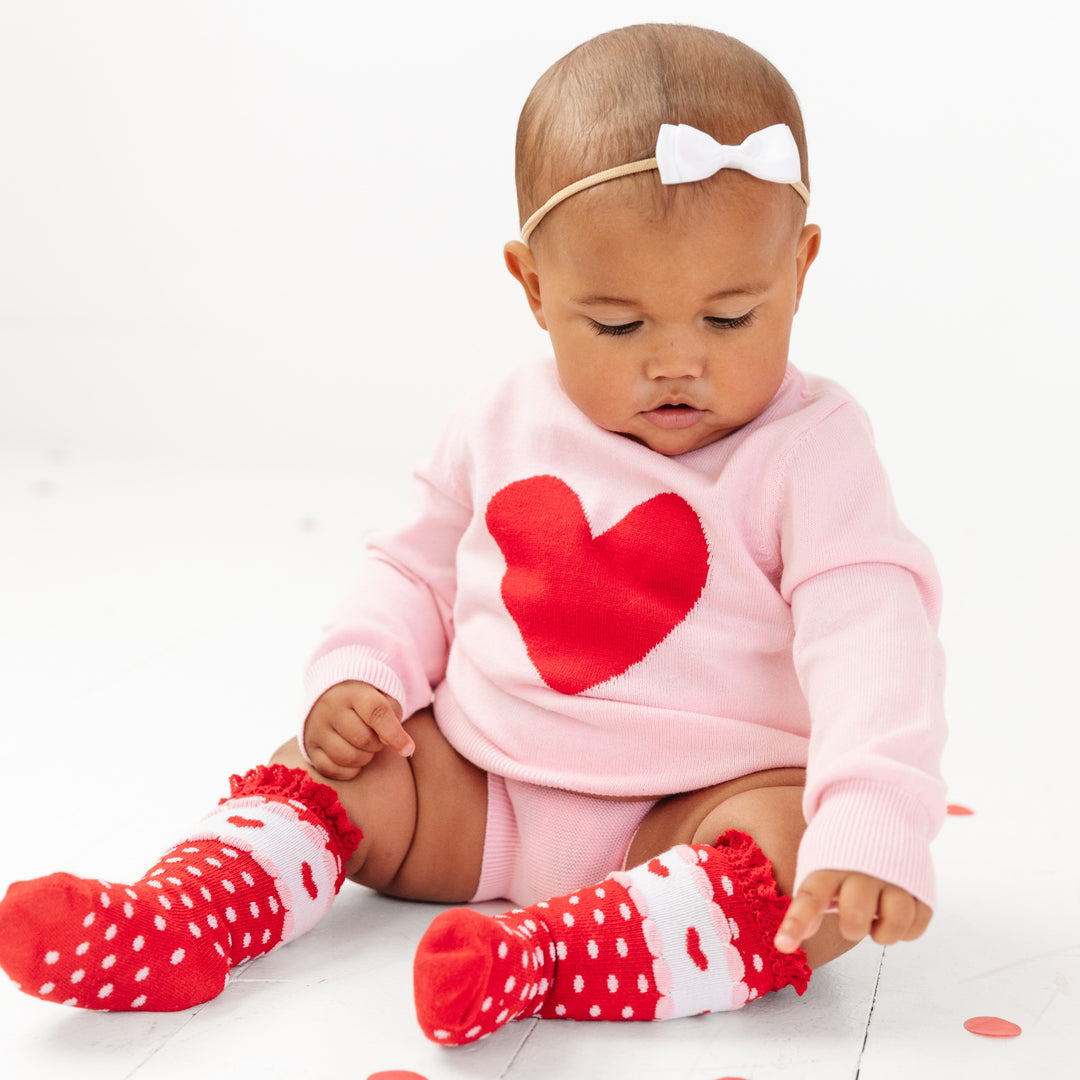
{"x": 396, "y": 1074}
{"x": 992, "y": 1026}
{"x": 956, "y": 810}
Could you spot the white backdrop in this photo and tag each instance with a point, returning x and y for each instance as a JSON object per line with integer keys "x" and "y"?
{"x": 272, "y": 231}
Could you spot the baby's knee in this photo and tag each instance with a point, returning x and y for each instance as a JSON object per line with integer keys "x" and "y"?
{"x": 380, "y": 801}
{"x": 772, "y": 816}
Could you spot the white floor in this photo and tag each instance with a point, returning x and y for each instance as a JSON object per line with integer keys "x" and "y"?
{"x": 153, "y": 622}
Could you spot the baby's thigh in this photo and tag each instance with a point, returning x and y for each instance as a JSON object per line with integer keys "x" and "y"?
{"x": 766, "y": 805}
{"x": 423, "y": 817}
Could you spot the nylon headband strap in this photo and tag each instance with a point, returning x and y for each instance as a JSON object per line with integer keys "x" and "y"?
{"x": 689, "y": 154}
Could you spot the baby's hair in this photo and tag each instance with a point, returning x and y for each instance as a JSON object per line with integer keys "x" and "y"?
{"x": 602, "y": 105}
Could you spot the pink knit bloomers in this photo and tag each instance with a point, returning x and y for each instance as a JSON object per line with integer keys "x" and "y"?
{"x": 543, "y": 841}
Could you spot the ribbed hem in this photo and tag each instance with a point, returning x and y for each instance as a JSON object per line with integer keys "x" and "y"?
{"x": 501, "y": 845}
{"x": 746, "y": 862}
{"x": 279, "y": 781}
{"x": 875, "y": 829}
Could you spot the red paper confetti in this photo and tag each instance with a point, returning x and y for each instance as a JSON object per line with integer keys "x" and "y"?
{"x": 992, "y": 1026}
{"x": 396, "y": 1074}
{"x": 956, "y": 810}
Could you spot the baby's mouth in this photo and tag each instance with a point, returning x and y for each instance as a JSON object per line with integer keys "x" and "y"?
{"x": 673, "y": 417}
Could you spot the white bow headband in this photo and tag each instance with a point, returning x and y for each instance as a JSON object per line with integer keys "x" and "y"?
{"x": 685, "y": 154}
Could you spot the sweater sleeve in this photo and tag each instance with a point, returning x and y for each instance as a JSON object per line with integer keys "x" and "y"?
{"x": 395, "y": 626}
{"x": 865, "y": 601}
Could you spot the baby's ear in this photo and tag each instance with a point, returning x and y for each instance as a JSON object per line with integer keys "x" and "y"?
{"x": 806, "y": 253}
{"x": 520, "y": 262}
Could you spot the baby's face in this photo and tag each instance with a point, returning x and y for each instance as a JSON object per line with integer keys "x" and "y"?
{"x": 673, "y": 333}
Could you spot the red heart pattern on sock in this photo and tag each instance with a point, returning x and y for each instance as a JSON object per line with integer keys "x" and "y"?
{"x": 260, "y": 870}
{"x": 689, "y": 932}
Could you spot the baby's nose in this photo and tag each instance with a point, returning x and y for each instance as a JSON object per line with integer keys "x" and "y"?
{"x": 675, "y": 359}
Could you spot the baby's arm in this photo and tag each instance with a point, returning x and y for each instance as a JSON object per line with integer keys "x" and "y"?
{"x": 864, "y": 904}
{"x": 349, "y": 724}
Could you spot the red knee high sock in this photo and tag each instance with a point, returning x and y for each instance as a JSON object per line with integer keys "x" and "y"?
{"x": 689, "y": 932}
{"x": 259, "y": 871}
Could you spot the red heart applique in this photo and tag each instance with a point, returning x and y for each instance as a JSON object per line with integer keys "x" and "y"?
{"x": 589, "y": 608}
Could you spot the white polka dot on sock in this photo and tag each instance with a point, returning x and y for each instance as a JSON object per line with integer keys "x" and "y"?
{"x": 627, "y": 1013}
{"x": 139, "y": 1001}
{"x": 52, "y": 956}
{"x": 177, "y": 956}
{"x": 594, "y": 949}
{"x": 612, "y": 983}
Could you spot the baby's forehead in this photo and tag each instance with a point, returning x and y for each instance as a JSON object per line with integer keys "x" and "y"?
{"x": 640, "y": 207}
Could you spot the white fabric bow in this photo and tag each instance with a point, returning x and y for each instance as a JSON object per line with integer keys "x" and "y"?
{"x": 683, "y": 154}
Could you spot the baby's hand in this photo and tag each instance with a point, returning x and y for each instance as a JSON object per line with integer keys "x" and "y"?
{"x": 349, "y": 725}
{"x": 866, "y": 905}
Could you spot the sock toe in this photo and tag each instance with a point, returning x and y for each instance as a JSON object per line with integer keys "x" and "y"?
{"x": 27, "y": 912}
{"x": 452, "y": 972}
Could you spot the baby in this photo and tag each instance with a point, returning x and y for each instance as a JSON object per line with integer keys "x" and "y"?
{"x": 654, "y": 656}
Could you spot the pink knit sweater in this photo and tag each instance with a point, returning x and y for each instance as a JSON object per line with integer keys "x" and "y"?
{"x": 595, "y": 616}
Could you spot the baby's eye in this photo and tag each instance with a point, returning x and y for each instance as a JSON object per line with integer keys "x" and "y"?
{"x": 615, "y": 331}
{"x": 732, "y": 324}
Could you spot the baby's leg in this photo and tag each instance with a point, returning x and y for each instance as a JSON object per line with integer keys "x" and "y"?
{"x": 423, "y": 817}
{"x": 689, "y": 929}
{"x": 258, "y": 871}
{"x": 768, "y": 807}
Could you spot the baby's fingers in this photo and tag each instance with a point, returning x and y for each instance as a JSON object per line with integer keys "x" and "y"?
{"x": 900, "y": 917}
{"x": 337, "y": 758}
{"x": 384, "y": 721}
{"x": 804, "y": 916}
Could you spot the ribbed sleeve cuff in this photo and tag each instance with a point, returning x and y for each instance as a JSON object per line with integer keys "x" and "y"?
{"x": 342, "y": 665}
{"x": 873, "y": 829}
